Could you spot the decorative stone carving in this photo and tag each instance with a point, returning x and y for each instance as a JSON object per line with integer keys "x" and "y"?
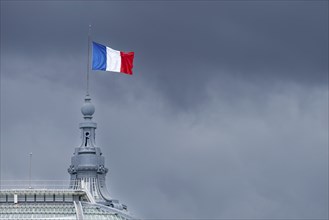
{"x": 71, "y": 170}
{"x": 101, "y": 169}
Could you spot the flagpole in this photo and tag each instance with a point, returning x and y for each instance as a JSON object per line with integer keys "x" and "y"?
{"x": 30, "y": 171}
{"x": 88, "y": 63}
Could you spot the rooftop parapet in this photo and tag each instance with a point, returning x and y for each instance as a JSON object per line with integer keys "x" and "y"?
{"x": 39, "y": 184}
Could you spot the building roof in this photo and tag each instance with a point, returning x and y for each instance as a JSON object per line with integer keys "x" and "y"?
{"x": 85, "y": 196}
{"x": 58, "y": 210}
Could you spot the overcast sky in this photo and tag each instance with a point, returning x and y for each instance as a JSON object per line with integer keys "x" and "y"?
{"x": 226, "y": 115}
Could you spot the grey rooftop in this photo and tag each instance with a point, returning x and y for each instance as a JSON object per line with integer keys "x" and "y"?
{"x": 84, "y": 196}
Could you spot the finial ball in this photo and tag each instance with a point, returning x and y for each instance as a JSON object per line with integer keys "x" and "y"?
{"x": 88, "y": 109}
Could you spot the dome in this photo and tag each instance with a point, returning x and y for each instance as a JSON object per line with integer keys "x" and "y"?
{"x": 85, "y": 196}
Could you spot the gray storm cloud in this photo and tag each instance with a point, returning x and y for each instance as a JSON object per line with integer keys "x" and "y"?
{"x": 226, "y": 115}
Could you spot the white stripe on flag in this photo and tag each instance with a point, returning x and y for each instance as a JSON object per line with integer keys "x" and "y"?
{"x": 113, "y": 60}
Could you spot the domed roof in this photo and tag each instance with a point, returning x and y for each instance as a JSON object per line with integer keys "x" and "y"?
{"x": 85, "y": 197}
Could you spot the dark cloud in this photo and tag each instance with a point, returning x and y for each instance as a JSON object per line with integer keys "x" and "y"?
{"x": 225, "y": 116}
{"x": 215, "y": 40}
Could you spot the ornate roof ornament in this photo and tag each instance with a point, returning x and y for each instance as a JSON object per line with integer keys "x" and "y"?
{"x": 87, "y": 164}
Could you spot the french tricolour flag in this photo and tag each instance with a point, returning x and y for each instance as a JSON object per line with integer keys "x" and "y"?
{"x": 107, "y": 59}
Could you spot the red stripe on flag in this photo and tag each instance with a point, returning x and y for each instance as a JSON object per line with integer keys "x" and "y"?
{"x": 127, "y": 59}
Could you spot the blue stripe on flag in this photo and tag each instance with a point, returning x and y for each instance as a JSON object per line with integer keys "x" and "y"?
{"x": 99, "y": 57}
